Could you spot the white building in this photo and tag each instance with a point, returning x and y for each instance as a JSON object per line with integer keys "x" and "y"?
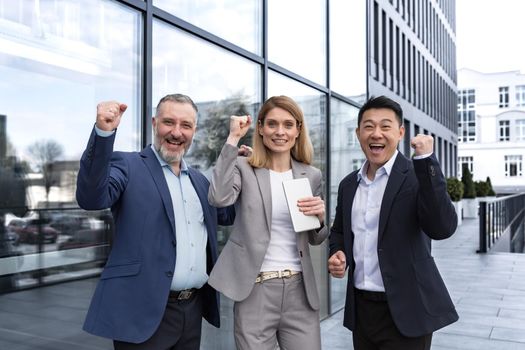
{"x": 491, "y": 127}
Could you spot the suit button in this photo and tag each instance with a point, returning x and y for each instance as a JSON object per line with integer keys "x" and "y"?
{"x": 169, "y": 273}
{"x": 432, "y": 171}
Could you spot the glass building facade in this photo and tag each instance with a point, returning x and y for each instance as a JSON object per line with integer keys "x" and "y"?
{"x": 59, "y": 58}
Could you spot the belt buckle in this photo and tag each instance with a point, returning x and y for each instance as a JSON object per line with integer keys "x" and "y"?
{"x": 285, "y": 273}
{"x": 185, "y": 294}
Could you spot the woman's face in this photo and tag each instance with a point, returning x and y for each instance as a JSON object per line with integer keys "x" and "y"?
{"x": 279, "y": 130}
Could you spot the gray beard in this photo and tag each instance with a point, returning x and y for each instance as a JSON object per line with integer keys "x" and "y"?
{"x": 170, "y": 157}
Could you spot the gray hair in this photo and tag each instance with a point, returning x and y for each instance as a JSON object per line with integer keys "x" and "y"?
{"x": 179, "y": 98}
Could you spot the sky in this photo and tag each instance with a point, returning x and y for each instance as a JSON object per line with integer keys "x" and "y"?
{"x": 490, "y": 35}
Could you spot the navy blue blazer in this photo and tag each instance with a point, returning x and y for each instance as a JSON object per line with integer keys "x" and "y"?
{"x": 132, "y": 292}
{"x": 415, "y": 209}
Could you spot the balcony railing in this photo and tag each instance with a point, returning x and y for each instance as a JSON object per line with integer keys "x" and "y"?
{"x": 499, "y": 217}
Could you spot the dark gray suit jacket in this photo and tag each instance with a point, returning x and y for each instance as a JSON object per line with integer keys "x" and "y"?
{"x": 415, "y": 209}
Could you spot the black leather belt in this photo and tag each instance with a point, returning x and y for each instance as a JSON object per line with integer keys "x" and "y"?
{"x": 369, "y": 295}
{"x": 183, "y": 294}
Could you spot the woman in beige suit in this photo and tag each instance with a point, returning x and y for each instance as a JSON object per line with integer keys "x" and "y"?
{"x": 265, "y": 266}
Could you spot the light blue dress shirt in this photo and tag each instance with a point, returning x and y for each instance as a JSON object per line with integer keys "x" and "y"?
{"x": 191, "y": 233}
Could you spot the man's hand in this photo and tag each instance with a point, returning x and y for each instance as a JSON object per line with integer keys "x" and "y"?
{"x": 422, "y": 144}
{"x": 239, "y": 126}
{"x": 109, "y": 114}
{"x": 337, "y": 264}
{"x": 245, "y": 151}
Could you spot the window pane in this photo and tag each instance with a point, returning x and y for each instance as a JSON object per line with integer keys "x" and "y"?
{"x": 239, "y": 22}
{"x": 348, "y": 48}
{"x": 297, "y": 42}
{"x": 313, "y": 104}
{"x": 58, "y": 59}
{"x": 344, "y": 158}
{"x": 231, "y": 85}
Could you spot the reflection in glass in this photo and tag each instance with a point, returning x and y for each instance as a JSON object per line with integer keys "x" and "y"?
{"x": 348, "y": 49}
{"x": 58, "y": 59}
{"x": 239, "y": 22}
{"x": 228, "y": 85}
{"x": 313, "y": 104}
{"x": 345, "y": 157}
{"x": 298, "y": 42}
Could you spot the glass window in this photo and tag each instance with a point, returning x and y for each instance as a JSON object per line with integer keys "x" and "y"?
{"x": 239, "y": 22}
{"x": 467, "y": 161}
{"x": 504, "y": 130}
{"x": 520, "y": 95}
{"x": 520, "y": 130}
{"x": 513, "y": 166}
{"x": 348, "y": 48}
{"x": 298, "y": 42}
{"x": 345, "y": 157}
{"x": 231, "y": 85}
{"x": 467, "y": 115}
{"x": 503, "y": 96}
{"x": 313, "y": 104}
{"x": 58, "y": 59}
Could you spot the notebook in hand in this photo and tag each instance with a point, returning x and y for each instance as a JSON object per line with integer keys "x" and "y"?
{"x": 293, "y": 190}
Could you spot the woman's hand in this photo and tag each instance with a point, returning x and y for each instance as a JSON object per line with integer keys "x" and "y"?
{"x": 239, "y": 126}
{"x": 312, "y": 206}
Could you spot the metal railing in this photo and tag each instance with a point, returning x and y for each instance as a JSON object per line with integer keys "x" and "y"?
{"x": 501, "y": 216}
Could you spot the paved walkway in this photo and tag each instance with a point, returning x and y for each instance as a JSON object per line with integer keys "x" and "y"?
{"x": 488, "y": 290}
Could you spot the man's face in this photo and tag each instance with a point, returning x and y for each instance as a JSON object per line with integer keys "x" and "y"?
{"x": 173, "y": 127}
{"x": 379, "y": 134}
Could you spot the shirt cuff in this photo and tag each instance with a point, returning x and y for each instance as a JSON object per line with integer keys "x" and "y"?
{"x": 422, "y": 156}
{"x": 103, "y": 133}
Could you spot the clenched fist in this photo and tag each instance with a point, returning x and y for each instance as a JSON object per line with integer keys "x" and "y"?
{"x": 337, "y": 264}
{"x": 109, "y": 114}
{"x": 422, "y": 144}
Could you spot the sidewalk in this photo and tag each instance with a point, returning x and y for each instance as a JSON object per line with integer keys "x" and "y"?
{"x": 487, "y": 289}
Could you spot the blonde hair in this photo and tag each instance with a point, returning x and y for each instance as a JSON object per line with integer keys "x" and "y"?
{"x": 302, "y": 151}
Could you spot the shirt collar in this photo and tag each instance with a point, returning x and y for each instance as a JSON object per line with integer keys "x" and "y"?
{"x": 386, "y": 168}
{"x": 162, "y": 162}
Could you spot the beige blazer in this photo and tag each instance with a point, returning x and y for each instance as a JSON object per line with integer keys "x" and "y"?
{"x": 235, "y": 181}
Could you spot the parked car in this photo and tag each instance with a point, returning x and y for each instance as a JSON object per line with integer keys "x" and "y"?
{"x": 29, "y": 233}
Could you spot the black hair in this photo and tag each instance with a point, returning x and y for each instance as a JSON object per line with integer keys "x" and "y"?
{"x": 381, "y": 102}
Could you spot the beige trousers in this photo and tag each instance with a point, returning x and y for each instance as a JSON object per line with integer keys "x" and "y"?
{"x": 277, "y": 312}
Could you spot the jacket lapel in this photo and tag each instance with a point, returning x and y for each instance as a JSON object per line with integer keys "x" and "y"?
{"x": 298, "y": 169}
{"x": 153, "y": 165}
{"x": 263, "y": 180}
{"x": 395, "y": 180}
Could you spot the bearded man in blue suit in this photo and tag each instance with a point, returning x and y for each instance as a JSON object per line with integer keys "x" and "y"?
{"x": 153, "y": 291}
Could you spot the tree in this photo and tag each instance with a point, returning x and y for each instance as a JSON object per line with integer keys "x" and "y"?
{"x": 466, "y": 178}
{"x": 213, "y": 126}
{"x": 491, "y": 190}
{"x": 454, "y": 189}
{"x": 44, "y": 154}
{"x": 482, "y": 188}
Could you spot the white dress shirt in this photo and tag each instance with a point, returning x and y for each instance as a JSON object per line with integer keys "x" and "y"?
{"x": 365, "y": 223}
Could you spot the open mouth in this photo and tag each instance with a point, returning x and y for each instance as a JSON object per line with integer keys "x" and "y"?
{"x": 376, "y": 148}
{"x": 174, "y": 142}
{"x": 279, "y": 141}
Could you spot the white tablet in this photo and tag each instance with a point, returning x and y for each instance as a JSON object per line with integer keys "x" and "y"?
{"x": 295, "y": 189}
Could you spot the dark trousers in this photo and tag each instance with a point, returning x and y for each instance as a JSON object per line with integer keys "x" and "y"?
{"x": 179, "y": 329}
{"x": 375, "y": 329}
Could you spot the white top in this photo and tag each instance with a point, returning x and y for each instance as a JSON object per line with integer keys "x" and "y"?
{"x": 365, "y": 226}
{"x": 282, "y": 251}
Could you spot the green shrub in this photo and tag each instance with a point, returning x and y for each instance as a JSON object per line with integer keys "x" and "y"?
{"x": 482, "y": 188}
{"x": 489, "y": 184}
{"x": 469, "y": 189}
{"x": 454, "y": 189}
